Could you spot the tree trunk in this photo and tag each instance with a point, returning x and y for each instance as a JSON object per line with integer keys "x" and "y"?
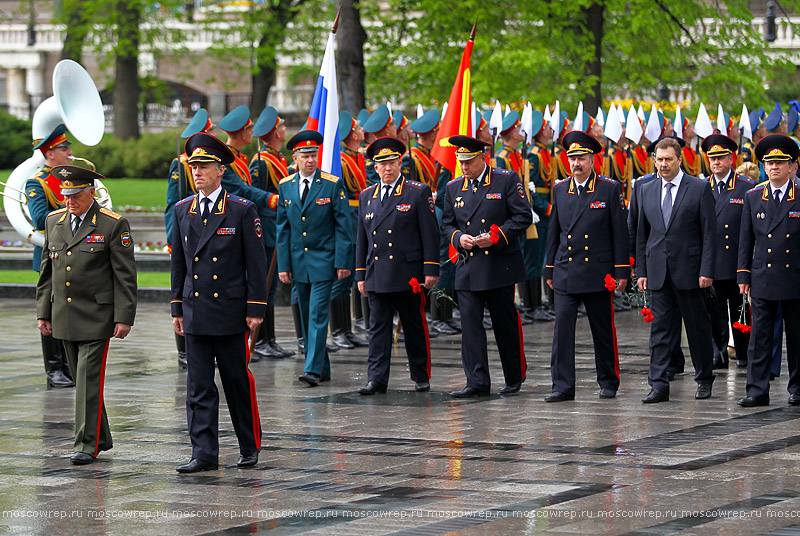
{"x": 350, "y": 57}
{"x": 262, "y": 81}
{"x": 126, "y": 79}
{"x": 594, "y": 23}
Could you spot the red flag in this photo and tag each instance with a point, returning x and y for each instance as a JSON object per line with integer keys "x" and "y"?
{"x": 458, "y": 119}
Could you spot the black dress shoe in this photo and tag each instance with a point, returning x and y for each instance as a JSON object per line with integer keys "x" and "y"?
{"x": 443, "y": 327}
{"x": 301, "y": 345}
{"x": 469, "y": 392}
{"x": 703, "y": 391}
{"x": 279, "y": 350}
{"x": 656, "y": 396}
{"x": 794, "y": 399}
{"x": 355, "y": 340}
{"x": 332, "y": 349}
{"x": 753, "y": 401}
{"x": 248, "y": 460}
{"x": 670, "y": 375}
{"x": 421, "y": 387}
{"x": 310, "y": 378}
{"x": 81, "y": 458}
{"x": 371, "y": 388}
{"x": 741, "y": 363}
{"x": 263, "y": 350}
{"x": 558, "y": 397}
{"x": 195, "y": 466}
{"x": 720, "y": 359}
{"x": 182, "y": 362}
{"x": 510, "y": 389}
{"x": 325, "y": 378}
{"x": 453, "y": 324}
{"x": 341, "y": 340}
{"x": 57, "y": 379}
{"x": 608, "y": 392}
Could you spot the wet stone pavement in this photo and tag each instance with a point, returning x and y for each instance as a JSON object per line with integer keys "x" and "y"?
{"x": 334, "y": 462}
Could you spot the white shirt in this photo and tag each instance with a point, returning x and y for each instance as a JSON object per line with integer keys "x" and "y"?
{"x": 83, "y": 217}
{"x": 302, "y": 184}
{"x": 392, "y": 184}
{"x": 212, "y": 196}
{"x": 581, "y": 185}
{"x": 676, "y": 182}
{"x": 782, "y": 190}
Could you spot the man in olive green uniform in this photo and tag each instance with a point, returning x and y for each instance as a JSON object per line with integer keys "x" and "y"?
{"x": 86, "y": 294}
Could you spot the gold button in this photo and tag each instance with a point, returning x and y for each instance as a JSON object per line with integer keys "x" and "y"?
{"x": 215, "y": 276}
{"x": 214, "y": 259}
{"x": 486, "y": 252}
{"x": 569, "y": 248}
{"x": 91, "y": 249}
{"x": 390, "y": 244}
{"x": 787, "y": 236}
{"x": 69, "y": 268}
{"x": 196, "y": 259}
{"x": 483, "y": 221}
{"x": 374, "y": 245}
{"x": 770, "y": 236}
{"x": 586, "y": 248}
{"x": 471, "y": 254}
{"x": 374, "y": 232}
{"x": 727, "y": 247}
{"x": 303, "y": 218}
{"x": 586, "y": 259}
{"x": 726, "y": 225}
{"x": 69, "y": 300}
{"x": 391, "y": 257}
{"x": 196, "y": 293}
{"x": 305, "y": 249}
{"x": 389, "y": 231}
{"x": 726, "y": 237}
{"x": 376, "y": 257}
{"x": 586, "y": 236}
{"x": 216, "y": 295}
{"x": 769, "y": 265}
{"x": 468, "y": 224}
{"x": 769, "y": 250}
{"x": 195, "y": 276}
{"x": 787, "y": 251}
{"x": 68, "y": 283}
{"x": 69, "y": 253}
{"x": 569, "y": 236}
{"x": 305, "y": 234}
{"x": 570, "y": 259}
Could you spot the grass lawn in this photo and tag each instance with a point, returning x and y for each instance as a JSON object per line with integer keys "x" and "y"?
{"x": 145, "y": 279}
{"x": 149, "y": 194}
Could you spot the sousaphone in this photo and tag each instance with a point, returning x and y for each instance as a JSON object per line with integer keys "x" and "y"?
{"x": 76, "y": 103}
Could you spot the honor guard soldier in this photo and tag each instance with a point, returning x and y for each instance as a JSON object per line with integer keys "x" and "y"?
{"x": 508, "y": 157}
{"x": 219, "y": 294}
{"x": 397, "y": 243}
{"x": 354, "y": 176}
{"x": 43, "y": 191}
{"x": 485, "y": 212}
{"x": 267, "y": 168}
{"x": 728, "y": 189}
{"x": 675, "y": 259}
{"x": 793, "y": 125}
{"x": 401, "y": 125}
{"x": 562, "y": 162}
{"x": 314, "y": 246}
{"x": 748, "y": 149}
{"x": 379, "y": 125}
{"x": 587, "y": 244}
{"x": 767, "y": 271}
{"x": 418, "y": 161}
{"x": 236, "y": 180}
{"x": 86, "y": 295}
{"x": 690, "y": 160}
{"x": 180, "y": 185}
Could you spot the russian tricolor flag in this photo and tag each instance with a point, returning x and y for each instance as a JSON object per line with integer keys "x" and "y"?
{"x": 324, "y": 114}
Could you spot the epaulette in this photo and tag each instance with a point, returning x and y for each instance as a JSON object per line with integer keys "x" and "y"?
{"x": 606, "y": 179}
{"x": 237, "y": 199}
{"x": 184, "y": 201}
{"x": 287, "y": 178}
{"x": 415, "y": 184}
{"x": 460, "y": 179}
{"x": 368, "y": 188}
{"x": 502, "y": 171}
{"x": 59, "y": 211}
{"x": 328, "y": 177}
{"x": 110, "y": 213}
{"x": 746, "y": 180}
{"x": 758, "y": 187}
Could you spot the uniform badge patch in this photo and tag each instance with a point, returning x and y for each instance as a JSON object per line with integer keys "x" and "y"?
{"x": 403, "y": 208}
{"x": 259, "y": 230}
{"x": 598, "y": 204}
{"x": 459, "y": 202}
{"x": 521, "y": 190}
{"x": 232, "y": 230}
{"x": 341, "y": 195}
{"x": 794, "y": 214}
{"x": 494, "y": 196}
{"x": 369, "y": 215}
{"x": 736, "y": 201}
{"x": 125, "y": 238}
{"x": 95, "y": 239}
{"x": 324, "y": 201}
{"x": 431, "y": 204}
{"x": 622, "y": 202}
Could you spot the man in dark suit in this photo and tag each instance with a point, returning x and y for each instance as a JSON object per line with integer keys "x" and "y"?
{"x": 728, "y": 189}
{"x": 587, "y": 242}
{"x": 397, "y": 241}
{"x": 86, "y": 295}
{"x": 219, "y": 295}
{"x": 485, "y": 212}
{"x": 675, "y": 244}
{"x": 768, "y": 260}
{"x": 315, "y": 246}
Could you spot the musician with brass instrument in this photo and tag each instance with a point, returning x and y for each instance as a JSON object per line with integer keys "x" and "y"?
{"x": 43, "y": 191}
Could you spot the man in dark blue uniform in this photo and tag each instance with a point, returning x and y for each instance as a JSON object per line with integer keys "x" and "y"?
{"x": 768, "y": 266}
{"x": 44, "y": 196}
{"x": 219, "y": 294}
{"x": 587, "y": 243}
{"x": 397, "y": 241}
{"x": 314, "y": 246}
{"x": 485, "y": 212}
{"x": 676, "y": 244}
{"x": 728, "y": 189}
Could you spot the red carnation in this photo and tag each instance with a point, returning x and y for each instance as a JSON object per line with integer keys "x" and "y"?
{"x": 415, "y": 286}
{"x": 744, "y": 328}
{"x": 647, "y": 314}
{"x": 611, "y": 285}
{"x": 494, "y": 234}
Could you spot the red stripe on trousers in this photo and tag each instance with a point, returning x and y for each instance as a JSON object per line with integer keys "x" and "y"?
{"x": 253, "y": 401}
{"x": 523, "y": 363}
{"x": 425, "y": 327}
{"x": 100, "y": 406}
{"x": 614, "y": 337}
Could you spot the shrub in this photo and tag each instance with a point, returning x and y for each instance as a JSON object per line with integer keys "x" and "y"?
{"x": 15, "y": 143}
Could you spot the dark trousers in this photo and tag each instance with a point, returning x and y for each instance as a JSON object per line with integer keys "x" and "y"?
{"x": 411, "y": 308}
{"x": 761, "y": 342}
{"x": 87, "y": 361}
{"x": 729, "y": 302}
{"x": 231, "y": 354}
{"x": 507, "y": 332}
{"x": 600, "y": 312}
{"x": 697, "y": 321}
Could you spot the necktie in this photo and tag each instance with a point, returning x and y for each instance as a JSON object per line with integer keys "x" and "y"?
{"x": 666, "y": 204}
{"x": 777, "y": 197}
{"x": 206, "y": 204}
{"x": 721, "y": 187}
{"x": 305, "y": 191}
{"x": 386, "y": 189}
{"x": 76, "y": 222}
{"x": 580, "y": 190}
